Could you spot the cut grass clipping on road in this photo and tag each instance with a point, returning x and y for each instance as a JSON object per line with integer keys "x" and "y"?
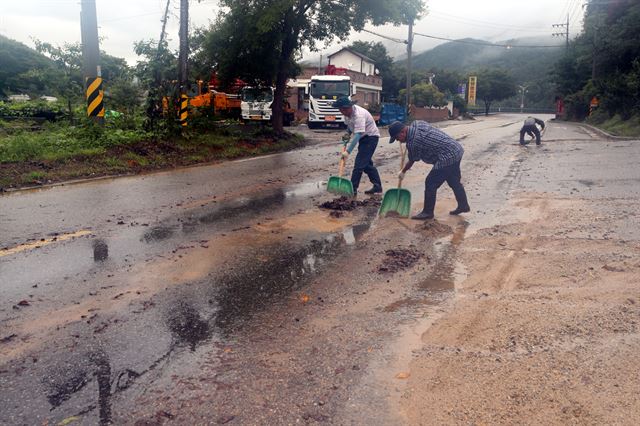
{"x": 60, "y": 153}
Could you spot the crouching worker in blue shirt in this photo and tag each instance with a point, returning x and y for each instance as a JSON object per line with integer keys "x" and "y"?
{"x": 364, "y": 132}
{"x": 433, "y": 146}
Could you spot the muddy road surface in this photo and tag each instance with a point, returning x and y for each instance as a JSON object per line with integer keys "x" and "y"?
{"x": 224, "y": 294}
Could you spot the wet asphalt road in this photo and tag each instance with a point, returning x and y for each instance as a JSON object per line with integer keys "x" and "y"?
{"x": 113, "y": 287}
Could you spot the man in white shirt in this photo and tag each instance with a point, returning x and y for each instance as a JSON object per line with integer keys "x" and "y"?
{"x": 364, "y": 132}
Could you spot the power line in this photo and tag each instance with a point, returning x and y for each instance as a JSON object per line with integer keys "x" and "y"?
{"x": 397, "y": 40}
{"x": 485, "y": 43}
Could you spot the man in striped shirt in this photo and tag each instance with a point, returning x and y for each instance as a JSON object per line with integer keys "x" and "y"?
{"x": 433, "y": 146}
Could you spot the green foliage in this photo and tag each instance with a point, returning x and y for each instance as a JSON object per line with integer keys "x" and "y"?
{"x": 50, "y": 110}
{"x": 450, "y": 62}
{"x": 604, "y": 61}
{"x": 494, "y": 85}
{"x": 67, "y": 75}
{"x": 158, "y": 74}
{"x": 616, "y": 125}
{"x": 425, "y": 95}
{"x": 460, "y": 104}
{"x": 59, "y": 142}
{"x": 20, "y": 68}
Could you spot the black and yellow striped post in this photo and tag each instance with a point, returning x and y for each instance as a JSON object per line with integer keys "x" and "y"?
{"x": 184, "y": 109}
{"x": 95, "y": 94}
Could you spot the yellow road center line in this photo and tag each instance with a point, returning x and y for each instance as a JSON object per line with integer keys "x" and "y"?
{"x": 36, "y": 244}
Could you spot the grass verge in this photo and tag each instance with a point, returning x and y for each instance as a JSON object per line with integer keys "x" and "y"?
{"x": 616, "y": 125}
{"x": 60, "y": 154}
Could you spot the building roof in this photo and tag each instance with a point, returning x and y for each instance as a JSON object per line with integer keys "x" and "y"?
{"x": 355, "y": 53}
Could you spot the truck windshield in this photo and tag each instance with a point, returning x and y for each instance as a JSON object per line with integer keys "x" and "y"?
{"x": 257, "y": 94}
{"x": 329, "y": 88}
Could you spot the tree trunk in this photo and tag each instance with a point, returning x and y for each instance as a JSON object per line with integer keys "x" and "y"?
{"x": 487, "y": 105}
{"x": 284, "y": 62}
{"x": 70, "y": 109}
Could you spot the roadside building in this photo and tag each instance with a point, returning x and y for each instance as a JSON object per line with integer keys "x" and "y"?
{"x": 359, "y": 68}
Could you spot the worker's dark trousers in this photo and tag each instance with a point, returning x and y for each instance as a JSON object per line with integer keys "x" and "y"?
{"x": 435, "y": 179}
{"x": 366, "y": 148}
{"x": 529, "y": 129}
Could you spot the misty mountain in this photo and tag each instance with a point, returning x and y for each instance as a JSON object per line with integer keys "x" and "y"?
{"x": 526, "y": 64}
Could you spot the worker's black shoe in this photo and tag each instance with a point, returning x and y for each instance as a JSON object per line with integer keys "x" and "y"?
{"x": 459, "y": 210}
{"x": 423, "y": 216}
{"x": 374, "y": 190}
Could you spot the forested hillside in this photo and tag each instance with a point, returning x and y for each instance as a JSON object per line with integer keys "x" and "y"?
{"x": 604, "y": 62}
{"x": 17, "y": 63}
{"x": 528, "y": 66}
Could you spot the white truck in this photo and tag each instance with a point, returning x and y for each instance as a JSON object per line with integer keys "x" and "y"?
{"x": 256, "y": 103}
{"x": 323, "y": 90}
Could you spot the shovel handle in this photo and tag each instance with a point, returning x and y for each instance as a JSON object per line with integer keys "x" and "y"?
{"x": 402, "y": 155}
{"x": 342, "y": 162}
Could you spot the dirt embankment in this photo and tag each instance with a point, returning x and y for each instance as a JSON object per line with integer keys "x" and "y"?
{"x": 545, "y": 328}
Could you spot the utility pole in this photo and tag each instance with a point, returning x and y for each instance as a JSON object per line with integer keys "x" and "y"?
{"x": 91, "y": 60}
{"x": 183, "y": 59}
{"x": 563, "y": 33}
{"x": 523, "y": 90}
{"x": 409, "y": 47}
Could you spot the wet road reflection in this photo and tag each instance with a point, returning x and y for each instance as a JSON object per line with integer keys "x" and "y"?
{"x": 191, "y": 316}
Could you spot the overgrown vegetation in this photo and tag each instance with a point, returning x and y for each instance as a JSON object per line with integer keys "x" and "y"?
{"x": 604, "y": 62}
{"x": 69, "y": 152}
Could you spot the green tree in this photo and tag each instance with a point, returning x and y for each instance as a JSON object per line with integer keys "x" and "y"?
{"x": 602, "y": 60}
{"x": 283, "y": 27}
{"x": 157, "y": 73}
{"x": 67, "y": 75}
{"x": 494, "y": 85}
{"x": 425, "y": 95}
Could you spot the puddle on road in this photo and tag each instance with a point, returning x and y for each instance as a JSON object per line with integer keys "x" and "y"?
{"x": 229, "y": 213}
{"x": 207, "y": 311}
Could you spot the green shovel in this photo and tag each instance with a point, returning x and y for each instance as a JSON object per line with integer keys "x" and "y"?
{"x": 397, "y": 200}
{"x": 338, "y": 184}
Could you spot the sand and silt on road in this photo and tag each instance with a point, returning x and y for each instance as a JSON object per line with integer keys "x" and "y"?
{"x": 524, "y": 311}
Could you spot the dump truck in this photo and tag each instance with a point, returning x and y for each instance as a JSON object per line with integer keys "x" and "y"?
{"x": 323, "y": 90}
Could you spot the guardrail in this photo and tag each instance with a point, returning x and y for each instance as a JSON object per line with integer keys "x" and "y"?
{"x": 480, "y": 111}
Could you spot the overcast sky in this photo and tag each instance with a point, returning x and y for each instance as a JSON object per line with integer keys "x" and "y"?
{"x": 122, "y": 22}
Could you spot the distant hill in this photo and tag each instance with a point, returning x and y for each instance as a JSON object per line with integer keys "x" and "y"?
{"x": 524, "y": 63}
{"x": 17, "y": 58}
{"x": 528, "y": 66}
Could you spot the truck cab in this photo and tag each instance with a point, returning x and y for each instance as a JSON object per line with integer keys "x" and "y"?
{"x": 256, "y": 103}
{"x": 323, "y": 91}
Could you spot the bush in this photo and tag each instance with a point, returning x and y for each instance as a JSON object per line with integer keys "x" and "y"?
{"x": 36, "y": 109}
{"x": 58, "y": 142}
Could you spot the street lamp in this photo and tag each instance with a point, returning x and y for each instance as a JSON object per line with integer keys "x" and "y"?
{"x": 523, "y": 90}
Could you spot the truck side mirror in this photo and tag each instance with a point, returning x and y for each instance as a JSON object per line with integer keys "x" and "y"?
{"x": 353, "y": 89}
{"x": 306, "y": 90}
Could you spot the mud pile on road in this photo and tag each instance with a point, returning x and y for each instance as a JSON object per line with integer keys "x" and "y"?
{"x": 433, "y": 228}
{"x": 345, "y": 203}
{"x": 398, "y": 259}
